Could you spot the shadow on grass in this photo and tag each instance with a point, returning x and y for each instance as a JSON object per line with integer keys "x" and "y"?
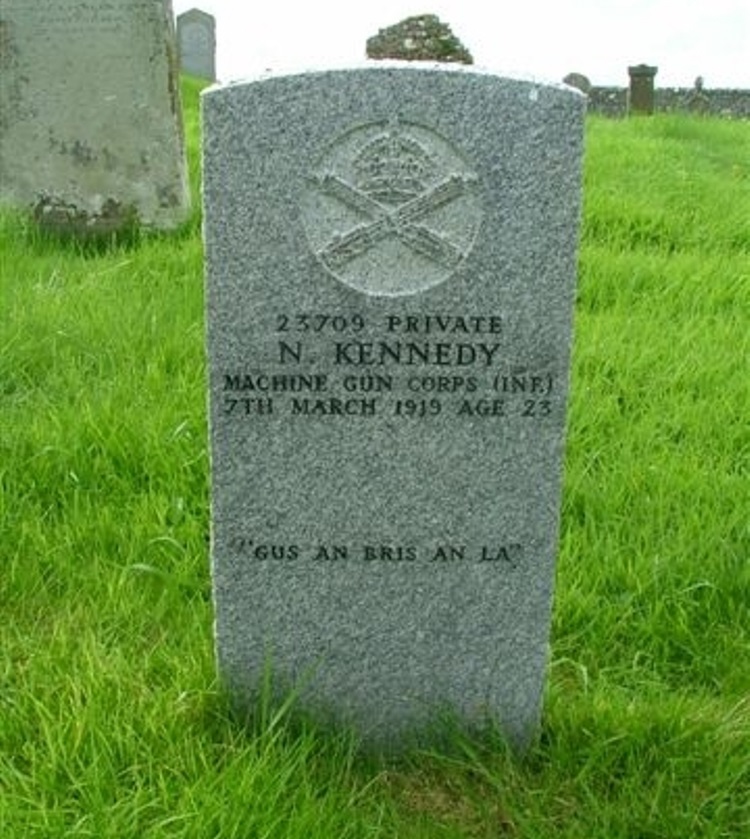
{"x": 21, "y": 230}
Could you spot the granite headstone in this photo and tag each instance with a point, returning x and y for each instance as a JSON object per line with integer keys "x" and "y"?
{"x": 196, "y": 43}
{"x": 90, "y": 126}
{"x": 391, "y": 261}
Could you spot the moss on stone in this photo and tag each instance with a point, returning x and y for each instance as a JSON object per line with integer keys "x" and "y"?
{"x": 419, "y": 38}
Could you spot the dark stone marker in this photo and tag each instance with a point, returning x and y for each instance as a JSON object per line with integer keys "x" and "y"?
{"x": 391, "y": 260}
{"x": 641, "y": 93}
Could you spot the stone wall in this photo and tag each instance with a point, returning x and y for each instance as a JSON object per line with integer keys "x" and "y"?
{"x": 612, "y": 101}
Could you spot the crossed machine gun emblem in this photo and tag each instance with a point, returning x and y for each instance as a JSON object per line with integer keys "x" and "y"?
{"x": 386, "y": 222}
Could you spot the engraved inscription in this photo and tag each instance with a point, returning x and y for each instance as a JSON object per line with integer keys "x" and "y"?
{"x": 401, "y": 367}
{"x": 391, "y": 209}
{"x": 507, "y": 555}
{"x": 100, "y": 17}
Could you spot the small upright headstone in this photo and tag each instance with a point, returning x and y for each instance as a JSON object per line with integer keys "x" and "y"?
{"x": 641, "y": 92}
{"x": 90, "y": 126}
{"x": 196, "y": 44}
{"x": 419, "y": 38}
{"x": 391, "y": 259}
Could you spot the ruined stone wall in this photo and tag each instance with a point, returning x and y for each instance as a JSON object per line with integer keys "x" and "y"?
{"x": 723, "y": 102}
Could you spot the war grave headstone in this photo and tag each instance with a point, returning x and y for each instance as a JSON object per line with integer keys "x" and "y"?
{"x": 196, "y": 43}
{"x": 391, "y": 259}
{"x": 91, "y": 133}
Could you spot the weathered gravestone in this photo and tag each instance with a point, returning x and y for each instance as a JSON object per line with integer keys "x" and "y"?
{"x": 578, "y": 81}
{"x": 641, "y": 90}
{"x": 90, "y": 122}
{"x": 391, "y": 256}
{"x": 419, "y": 38}
{"x": 196, "y": 43}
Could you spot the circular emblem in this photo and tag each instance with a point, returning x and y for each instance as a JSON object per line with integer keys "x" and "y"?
{"x": 392, "y": 208}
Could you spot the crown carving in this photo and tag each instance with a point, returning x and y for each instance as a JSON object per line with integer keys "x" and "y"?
{"x": 393, "y": 168}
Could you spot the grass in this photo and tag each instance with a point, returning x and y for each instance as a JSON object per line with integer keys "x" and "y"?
{"x": 112, "y": 723}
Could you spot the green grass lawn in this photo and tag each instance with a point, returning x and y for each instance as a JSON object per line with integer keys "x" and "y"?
{"x": 112, "y": 723}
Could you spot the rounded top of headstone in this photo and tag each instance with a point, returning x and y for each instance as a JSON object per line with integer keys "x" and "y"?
{"x": 418, "y": 38}
{"x": 196, "y": 16}
{"x": 578, "y": 81}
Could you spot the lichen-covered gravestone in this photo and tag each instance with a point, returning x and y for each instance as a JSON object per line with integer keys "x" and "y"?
{"x": 391, "y": 258}
{"x": 418, "y": 38}
{"x": 196, "y": 41}
{"x": 578, "y": 81}
{"x": 90, "y": 123}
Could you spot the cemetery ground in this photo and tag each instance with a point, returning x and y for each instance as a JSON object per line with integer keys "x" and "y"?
{"x": 112, "y": 723}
